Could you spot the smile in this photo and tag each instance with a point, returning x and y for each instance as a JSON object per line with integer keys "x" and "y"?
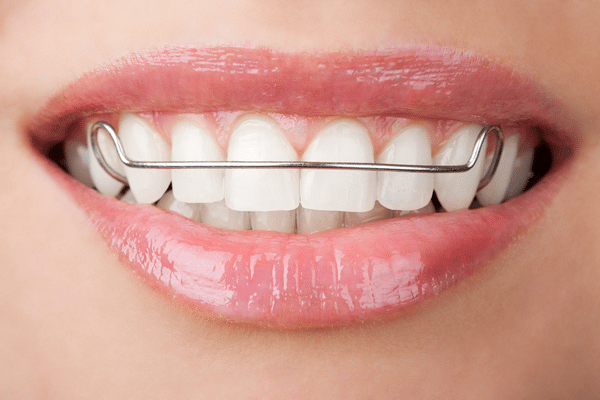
{"x": 304, "y": 248}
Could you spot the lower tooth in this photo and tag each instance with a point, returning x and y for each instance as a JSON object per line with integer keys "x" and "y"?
{"x": 378, "y": 213}
{"x": 103, "y": 182}
{"x": 279, "y": 221}
{"x": 77, "y": 158}
{"x": 521, "y": 173}
{"x": 220, "y": 216}
{"x": 142, "y": 143}
{"x": 495, "y": 190}
{"x": 170, "y": 203}
{"x": 456, "y": 191}
{"x": 128, "y": 197}
{"x": 313, "y": 221}
{"x": 428, "y": 209}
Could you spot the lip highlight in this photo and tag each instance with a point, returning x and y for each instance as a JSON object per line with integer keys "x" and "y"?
{"x": 332, "y": 277}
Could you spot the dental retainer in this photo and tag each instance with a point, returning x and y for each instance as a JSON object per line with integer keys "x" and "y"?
{"x": 483, "y": 134}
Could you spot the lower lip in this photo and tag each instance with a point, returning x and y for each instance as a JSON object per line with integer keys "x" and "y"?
{"x": 293, "y": 281}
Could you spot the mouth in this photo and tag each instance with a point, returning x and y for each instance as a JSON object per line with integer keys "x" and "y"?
{"x": 291, "y": 248}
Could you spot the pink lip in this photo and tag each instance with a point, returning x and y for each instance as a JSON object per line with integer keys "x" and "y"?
{"x": 328, "y": 278}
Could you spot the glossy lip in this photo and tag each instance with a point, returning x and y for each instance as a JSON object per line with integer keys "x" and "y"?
{"x": 328, "y": 278}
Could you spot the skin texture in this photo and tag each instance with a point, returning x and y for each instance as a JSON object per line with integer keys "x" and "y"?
{"x": 77, "y": 324}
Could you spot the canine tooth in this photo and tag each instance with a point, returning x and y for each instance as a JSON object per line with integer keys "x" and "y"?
{"x": 190, "y": 142}
{"x": 428, "y": 209}
{"x": 406, "y": 190}
{"x": 521, "y": 173}
{"x": 170, "y": 203}
{"x": 142, "y": 143}
{"x": 279, "y": 221}
{"x": 456, "y": 191}
{"x": 257, "y": 138}
{"x": 495, "y": 191}
{"x": 103, "y": 182}
{"x": 344, "y": 140}
{"x": 217, "y": 214}
{"x": 312, "y": 221}
{"x": 77, "y": 158}
{"x": 378, "y": 213}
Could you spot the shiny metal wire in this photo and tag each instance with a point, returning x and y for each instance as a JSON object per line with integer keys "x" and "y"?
{"x": 483, "y": 134}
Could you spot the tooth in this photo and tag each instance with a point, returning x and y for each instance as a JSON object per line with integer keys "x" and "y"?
{"x": 406, "y": 190}
{"x": 103, "y": 182}
{"x": 521, "y": 173}
{"x": 312, "y": 221}
{"x": 456, "y": 191}
{"x": 77, "y": 158}
{"x": 220, "y": 216}
{"x": 428, "y": 209}
{"x": 128, "y": 197}
{"x": 190, "y": 142}
{"x": 378, "y": 213}
{"x": 280, "y": 221}
{"x": 257, "y": 138}
{"x": 170, "y": 203}
{"x": 495, "y": 191}
{"x": 143, "y": 143}
{"x": 344, "y": 140}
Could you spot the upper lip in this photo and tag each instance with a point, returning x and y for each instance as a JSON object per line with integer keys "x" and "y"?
{"x": 346, "y": 277}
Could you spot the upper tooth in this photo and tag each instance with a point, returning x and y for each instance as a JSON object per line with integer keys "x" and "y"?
{"x": 142, "y": 143}
{"x": 77, "y": 157}
{"x": 105, "y": 183}
{"x": 257, "y": 138}
{"x": 456, "y": 191}
{"x": 406, "y": 190}
{"x": 344, "y": 140}
{"x": 521, "y": 173}
{"x": 190, "y": 142}
{"x": 170, "y": 203}
{"x": 279, "y": 221}
{"x": 495, "y": 190}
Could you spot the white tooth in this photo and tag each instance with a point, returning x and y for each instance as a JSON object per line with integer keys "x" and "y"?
{"x": 312, "y": 221}
{"x": 77, "y": 158}
{"x": 128, "y": 197}
{"x": 220, "y": 216}
{"x": 406, "y": 190}
{"x": 142, "y": 143}
{"x": 191, "y": 142}
{"x": 170, "y": 203}
{"x": 280, "y": 221}
{"x": 495, "y": 191}
{"x": 344, "y": 140}
{"x": 456, "y": 191}
{"x": 428, "y": 209}
{"x": 257, "y": 138}
{"x": 521, "y": 173}
{"x": 378, "y": 213}
{"x": 103, "y": 182}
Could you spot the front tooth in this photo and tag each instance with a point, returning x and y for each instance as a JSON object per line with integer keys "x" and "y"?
{"x": 495, "y": 191}
{"x": 170, "y": 203}
{"x": 312, "y": 221}
{"x": 142, "y": 143}
{"x": 77, "y": 158}
{"x": 456, "y": 191}
{"x": 103, "y": 182}
{"x": 217, "y": 214}
{"x": 378, "y": 213}
{"x": 257, "y": 138}
{"x": 428, "y": 209}
{"x": 406, "y": 190}
{"x": 279, "y": 221}
{"x": 520, "y": 175}
{"x": 344, "y": 140}
{"x": 190, "y": 142}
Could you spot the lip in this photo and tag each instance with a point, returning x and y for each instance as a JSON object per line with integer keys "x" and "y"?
{"x": 333, "y": 277}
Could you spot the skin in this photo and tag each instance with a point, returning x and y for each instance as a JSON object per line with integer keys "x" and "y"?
{"x": 77, "y": 323}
